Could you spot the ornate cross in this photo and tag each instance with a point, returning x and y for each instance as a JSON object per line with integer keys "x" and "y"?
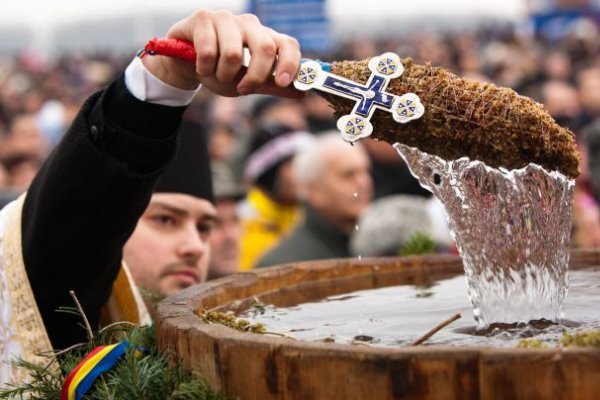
{"x": 369, "y": 97}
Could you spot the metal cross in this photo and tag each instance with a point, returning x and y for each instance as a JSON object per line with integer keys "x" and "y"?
{"x": 369, "y": 97}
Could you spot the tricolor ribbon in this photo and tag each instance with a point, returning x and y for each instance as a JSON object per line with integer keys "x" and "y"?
{"x": 99, "y": 360}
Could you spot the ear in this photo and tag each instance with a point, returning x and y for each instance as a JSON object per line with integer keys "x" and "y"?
{"x": 313, "y": 194}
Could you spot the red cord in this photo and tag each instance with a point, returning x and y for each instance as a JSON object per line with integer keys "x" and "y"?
{"x": 178, "y": 48}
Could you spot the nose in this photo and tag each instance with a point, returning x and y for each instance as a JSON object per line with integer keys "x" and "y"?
{"x": 191, "y": 245}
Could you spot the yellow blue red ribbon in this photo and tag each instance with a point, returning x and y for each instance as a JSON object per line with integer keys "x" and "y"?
{"x": 82, "y": 377}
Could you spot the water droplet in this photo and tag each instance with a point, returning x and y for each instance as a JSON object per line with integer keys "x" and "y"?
{"x": 356, "y": 227}
{"x": 355, "y": 194}
{"x": 359, "y": 257}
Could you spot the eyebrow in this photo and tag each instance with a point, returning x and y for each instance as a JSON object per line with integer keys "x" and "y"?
{"x": 209, "y": 215}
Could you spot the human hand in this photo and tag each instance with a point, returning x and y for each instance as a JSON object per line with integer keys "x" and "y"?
{"x": 219, "y": 38}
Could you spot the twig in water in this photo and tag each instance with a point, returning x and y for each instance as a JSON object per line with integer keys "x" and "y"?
{"x": 283, "y": 335}
{"x": 436, "y": 329}
{"x": 85, "y": 320}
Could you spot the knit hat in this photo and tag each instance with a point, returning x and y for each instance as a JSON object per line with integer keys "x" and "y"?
{"x": 271, "y": 146}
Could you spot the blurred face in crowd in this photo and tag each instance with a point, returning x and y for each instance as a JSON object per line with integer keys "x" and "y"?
{"x": 169, "y": 249}
{"x": 22, "y": 172}
{"x": 561, "y": 99}
{"x": 225, "y": 240}
{"x": 221, "y": 144}
{"x": 586, "y": 222}
{"x": 344, "y": 187}
{"x": 25, "y": 137}
{"x": 589, "y": 89}
{"x": 557, "y": 65}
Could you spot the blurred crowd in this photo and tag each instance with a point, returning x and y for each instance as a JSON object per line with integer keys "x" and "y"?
{"x": 287, "y": 187}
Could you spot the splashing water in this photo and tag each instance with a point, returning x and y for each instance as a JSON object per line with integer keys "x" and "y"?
{"x": 355, "y": 194}
{"x": 512, "y": 229}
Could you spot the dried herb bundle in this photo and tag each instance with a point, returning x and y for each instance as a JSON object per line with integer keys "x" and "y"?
{"x": 467, "y": 118}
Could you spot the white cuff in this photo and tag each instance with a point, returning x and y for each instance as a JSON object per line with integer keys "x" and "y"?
{"x": 146, "y": 87}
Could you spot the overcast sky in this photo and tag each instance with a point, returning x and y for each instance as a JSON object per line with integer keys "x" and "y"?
{"x": 54, "y": 25}
{"x": 50, "y": 12}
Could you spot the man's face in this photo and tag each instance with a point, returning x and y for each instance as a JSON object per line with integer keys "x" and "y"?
{"x": 345, "y": 187}
{"x": 169, "y": 251}
{"x": 225, "y": 240}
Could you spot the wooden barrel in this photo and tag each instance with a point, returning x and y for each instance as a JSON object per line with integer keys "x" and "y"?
{"x": 253, "y": 366}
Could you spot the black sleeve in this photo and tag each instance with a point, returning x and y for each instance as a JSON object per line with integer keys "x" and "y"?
{"x": 85, "y": 202}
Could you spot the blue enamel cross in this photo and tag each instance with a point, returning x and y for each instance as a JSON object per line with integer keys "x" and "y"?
{"x": 369, "y": 97}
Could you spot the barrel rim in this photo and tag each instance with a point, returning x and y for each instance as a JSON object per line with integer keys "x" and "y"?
{"x": 177, "y": 312}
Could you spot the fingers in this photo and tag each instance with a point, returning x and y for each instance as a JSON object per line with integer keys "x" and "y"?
{"x": 230, "y": 45}
{"x": 205, "y": 43}
{"x": 219, "y": 39}
{"x": 263, "y": 50}
{"x": 268, "y": 48}
{"x": 288, "y": 62}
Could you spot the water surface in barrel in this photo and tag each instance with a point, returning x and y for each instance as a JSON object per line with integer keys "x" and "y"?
{"x": 399, "y": 315}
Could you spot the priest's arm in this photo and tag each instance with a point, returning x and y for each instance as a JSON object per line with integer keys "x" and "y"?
{"x": 86, "y": 200}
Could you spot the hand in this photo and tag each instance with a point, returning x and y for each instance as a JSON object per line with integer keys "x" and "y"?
{"x": 219, "y": 38}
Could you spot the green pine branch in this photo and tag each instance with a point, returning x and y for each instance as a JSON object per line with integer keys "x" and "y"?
{"x": 151, "y": 376}
{"x": 418, "y": 243}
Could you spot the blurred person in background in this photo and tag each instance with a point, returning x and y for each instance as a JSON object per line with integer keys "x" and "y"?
{"x": 227, "y": 230}
{"x": 391, "y": 222}
{"x": 222, "y": 141}
{"x": 335, "y": 186}
{"x": 590, "y": 163}
{"x": 25, "y": 137}
{"x": 22, "y": 152}
{"x": 586, "y": 210}
{"x": 586, "y": 221}
{"x": 21, "y": 168}
{"x": 562, "y": 101}
{"x": 390, "y": 173}
{"x": 260, "y": 112}
{"x": 588, "y": 83}
{"x": 269, "y": 110}
{"x": 319, "y": 113}
{"x": 271, "y": 207}
{"x": 227, "y": 127}
{"x": 557, "y": 66}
